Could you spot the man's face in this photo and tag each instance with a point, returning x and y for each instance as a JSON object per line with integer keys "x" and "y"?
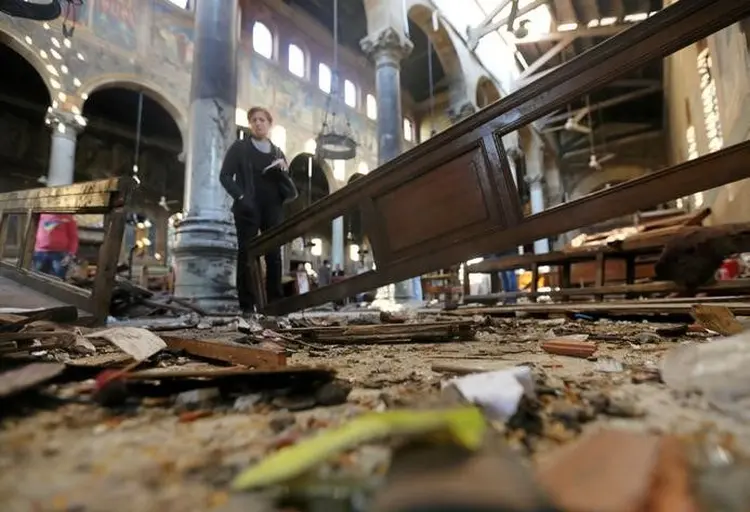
{"x": 259, "y": 125}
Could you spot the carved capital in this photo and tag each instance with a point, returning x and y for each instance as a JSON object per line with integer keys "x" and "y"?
{"x": 388, "y": 45}
{"x": 534, "y": 179}
{"x": 458, "y": 112}
{"x": 64, "y": 123}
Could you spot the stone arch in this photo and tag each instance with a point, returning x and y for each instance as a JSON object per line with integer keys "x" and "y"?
{"x": 486, "y": 92}
{"x": 421, "y": 14}
{"x": 322, "y": 176}
{"x": 321, "y": 187}
{"x": 16, "y": 43}
{"x": 353, "y": 221}
{"x": 597, "y": 179}
{"x": 150, "y": 89}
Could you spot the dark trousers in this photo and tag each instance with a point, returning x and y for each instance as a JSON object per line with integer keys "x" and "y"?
{"x": 50, "y": 262}
{"x": 247, "y": 225}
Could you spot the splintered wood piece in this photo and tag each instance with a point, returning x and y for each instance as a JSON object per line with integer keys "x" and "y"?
{"x": 26, "y": 377}
{"x": 387, "y": 333}
{"x": 717, "y": 318}
{"x": 562, "y": 347}
{"x": 232, "y": 353}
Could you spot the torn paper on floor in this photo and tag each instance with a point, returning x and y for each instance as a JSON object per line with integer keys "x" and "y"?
{"x": 498, "y": 392}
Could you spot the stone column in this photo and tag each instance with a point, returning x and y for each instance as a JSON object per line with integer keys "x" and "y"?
{"x": 536, "y": 193}
{"x": 62, "y": 155}
{"x": 387, "y": 48}
{"x": 205, "y": 246}
{"x": 338, "y": 253}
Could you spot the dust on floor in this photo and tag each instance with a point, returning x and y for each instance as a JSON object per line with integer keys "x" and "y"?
{"x": 81, "y": 457}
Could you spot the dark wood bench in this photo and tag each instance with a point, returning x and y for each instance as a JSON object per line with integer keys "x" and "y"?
{"x": 105, "y": 197}
{"x": 453, "y": 197}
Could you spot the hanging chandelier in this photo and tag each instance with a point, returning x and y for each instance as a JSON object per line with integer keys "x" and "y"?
{"x": 335, "y": 141}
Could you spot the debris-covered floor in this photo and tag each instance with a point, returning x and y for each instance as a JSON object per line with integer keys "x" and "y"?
{"x": 178, "y": 443}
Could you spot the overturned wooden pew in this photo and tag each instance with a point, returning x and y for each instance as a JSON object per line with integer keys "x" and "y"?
{"x": 105, "y": 197}
{"x": 453, "y": 197}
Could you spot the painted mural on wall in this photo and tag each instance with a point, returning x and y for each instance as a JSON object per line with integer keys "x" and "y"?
{"x": 115, "y": 21}
{"x": 172, "y": 35}
{"x": 301, "y": 102}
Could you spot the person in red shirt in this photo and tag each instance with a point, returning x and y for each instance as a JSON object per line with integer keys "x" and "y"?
{"x": 56, "y": 243}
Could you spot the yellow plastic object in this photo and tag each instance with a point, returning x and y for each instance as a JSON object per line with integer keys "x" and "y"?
{"x": 466, "y": 426}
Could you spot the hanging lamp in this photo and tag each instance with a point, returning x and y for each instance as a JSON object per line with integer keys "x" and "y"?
{"x": 334, "y": 141}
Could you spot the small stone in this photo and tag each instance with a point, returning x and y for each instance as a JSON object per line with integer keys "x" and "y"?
{"x": 624, "y": 407}
{"x": 294, "y": 403}
{"x": 281, "y": 421}
{"x": 333, "y": 393}
{"x": 247, "y": 403}
{"x": 647, "y": 337}
{"x": 197, "y": 399}
{"x": 598, "y": 400}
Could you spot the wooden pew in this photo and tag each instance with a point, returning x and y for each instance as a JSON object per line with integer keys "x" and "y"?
{"x": 105, "y": 197}
{"x": 453, "y": 197}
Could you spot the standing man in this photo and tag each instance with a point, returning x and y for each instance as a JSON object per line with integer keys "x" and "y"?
{"x": 56, "y": 243}
{"x": 256, "y": 174}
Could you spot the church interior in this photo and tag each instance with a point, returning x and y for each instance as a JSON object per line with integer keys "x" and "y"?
{"x": 514, "y": 271}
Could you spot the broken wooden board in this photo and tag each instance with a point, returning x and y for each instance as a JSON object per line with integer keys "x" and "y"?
{"x": 637, "y": 307}
{"x": 657, "y": 287}
{"x": 428, "y": 332}
{"x": 411, "y": 233}
{"x": 21, "y": 379}
{"x": 227, "y": 352}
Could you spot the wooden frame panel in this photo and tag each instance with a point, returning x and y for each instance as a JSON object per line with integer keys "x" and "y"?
{"x": 662, "y": 34}
{"x": 107, "y": 197}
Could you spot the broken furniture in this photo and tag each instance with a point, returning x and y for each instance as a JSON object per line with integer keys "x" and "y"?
{"x": 104, "y": 197}
{"x": 453, "y": 197}
{"x": 618, "y": 262}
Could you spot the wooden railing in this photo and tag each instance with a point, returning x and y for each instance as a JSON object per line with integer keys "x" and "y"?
{"x": 107, "y": 198}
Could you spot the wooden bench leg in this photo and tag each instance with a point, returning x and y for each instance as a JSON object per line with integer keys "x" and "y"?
{"x": 534, "y": 281}
{"x": 565, "y": 279}
{"x": 630, "y": 274}
{"x": 601, "y": 272}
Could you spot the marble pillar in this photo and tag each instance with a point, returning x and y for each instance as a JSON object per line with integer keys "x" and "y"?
{"x": 338, "y": 255}
{"x": 205, "y": 243}
{"x": 536, "y": 193}
{"x": 62, "y": 155}
{"x": 388, "y": 48}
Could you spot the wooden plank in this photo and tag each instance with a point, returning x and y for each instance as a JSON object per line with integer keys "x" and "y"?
{"x": 106, "y": 265}
{"x": 95, "y": 196}
{"x": 661, "y": 287}
{"x": 637, "y": 307}
{"x": 50, "y": 286}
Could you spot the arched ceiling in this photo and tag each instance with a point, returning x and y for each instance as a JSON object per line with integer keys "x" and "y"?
{"x": 120, "y": 106}
{"x": 415, "y": 76}
{"x": 352, "y": 18}
{"x": 20, "y": 79}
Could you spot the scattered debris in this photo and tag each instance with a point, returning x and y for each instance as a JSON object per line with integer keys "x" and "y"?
{"x": 564, "y": 347}
{"x": 717, "y": 318}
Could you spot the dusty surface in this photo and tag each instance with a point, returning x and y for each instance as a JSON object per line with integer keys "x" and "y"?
{"x": 81, "y": 457}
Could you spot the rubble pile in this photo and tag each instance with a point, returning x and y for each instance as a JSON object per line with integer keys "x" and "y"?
{"x": 344, "y": 410}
